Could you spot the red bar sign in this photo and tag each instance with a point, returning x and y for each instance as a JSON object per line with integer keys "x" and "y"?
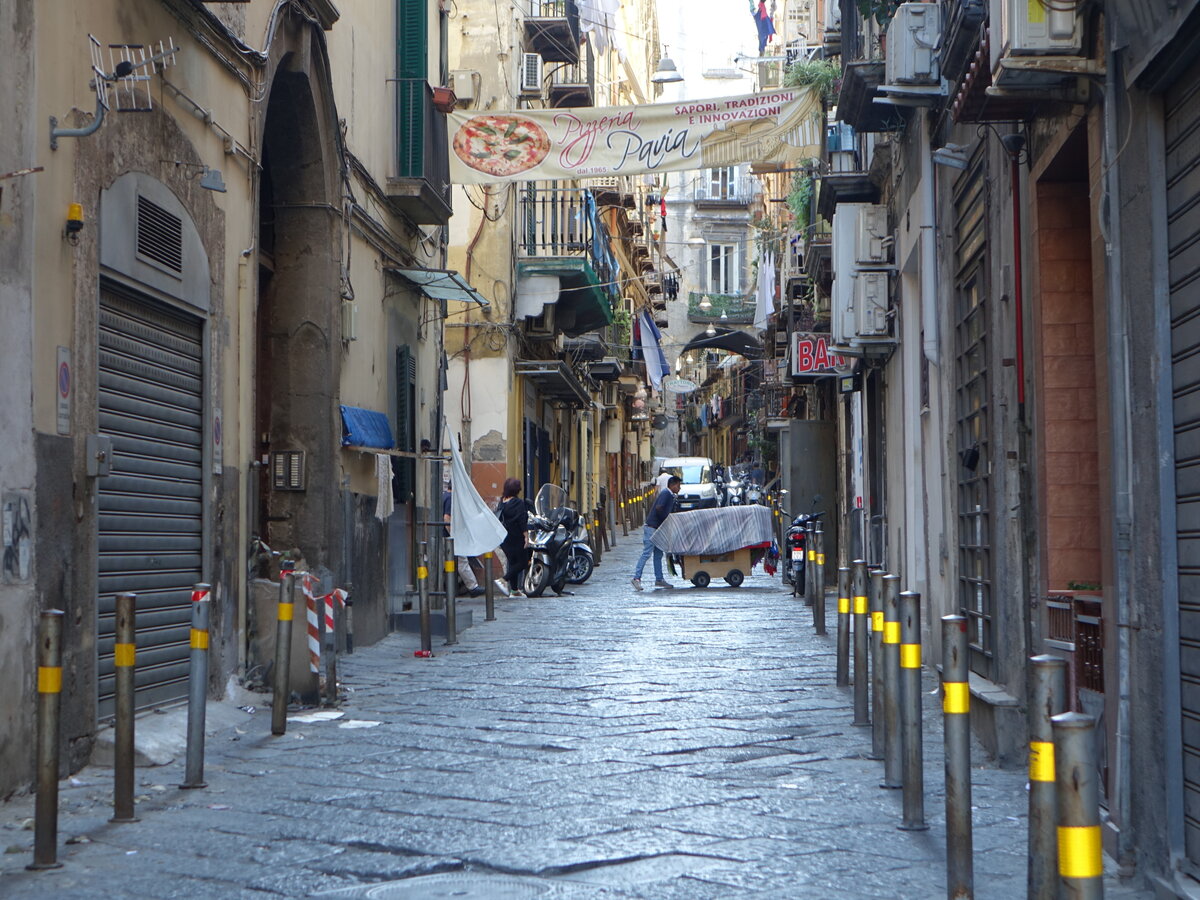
{"x": 811, "y": 355}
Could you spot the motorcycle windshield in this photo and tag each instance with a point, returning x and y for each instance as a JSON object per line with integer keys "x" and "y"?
{"x": 549, "y": 498}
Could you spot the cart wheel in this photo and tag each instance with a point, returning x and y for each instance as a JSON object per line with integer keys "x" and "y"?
{"x": 701, "y": 579}
{"x": 735, "y": 577}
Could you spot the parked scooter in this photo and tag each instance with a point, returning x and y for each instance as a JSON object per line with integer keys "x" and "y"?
{"x": 579, "y": 561}
{"x": 795, "y": 544}
{"x": 753, "y": 493}
{"x": 552, "y": 526}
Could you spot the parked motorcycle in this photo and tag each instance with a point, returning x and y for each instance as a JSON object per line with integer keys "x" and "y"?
{"x": 753, "y": 493}
{"x": 579, "y": 561}
{"x": 552, "y": 526}
{"x": 795, "y": 544}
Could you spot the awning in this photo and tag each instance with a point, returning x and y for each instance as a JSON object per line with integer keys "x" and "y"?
{"x": 583, "y": 304}
{"x": 555, "y": 380}
{"x": 441, "y": 284}
{"x": 726, "y": 339}
{"x": 366, "y": 428}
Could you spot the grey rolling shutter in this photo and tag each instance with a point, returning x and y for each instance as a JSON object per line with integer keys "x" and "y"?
{"x": 1183, "y": 239}
{"x": 150, "y": 538}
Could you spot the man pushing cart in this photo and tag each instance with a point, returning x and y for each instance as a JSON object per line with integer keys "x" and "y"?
{"x": 725, "y": 542}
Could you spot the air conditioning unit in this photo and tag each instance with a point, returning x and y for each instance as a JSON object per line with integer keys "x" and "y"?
{"x": 860, "y": 236}
{"x": 541, "y": 326}
{"x": 870, "y": 304}
{"x": 531, "y": 73}
{"x": 462, "y": 82}
{"x": 609, "y": 395}
{"x": 1031, "y": 27}
{"x": 913, "y": 44}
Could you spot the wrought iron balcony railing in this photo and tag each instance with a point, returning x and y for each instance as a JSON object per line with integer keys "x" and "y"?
{"x": 738, "y": 310}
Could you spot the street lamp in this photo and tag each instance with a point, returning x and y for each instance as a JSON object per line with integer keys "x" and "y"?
{"x": 710, "y": 331}
{"x": 666, "y": 73}
{"x": 705, "y": 304}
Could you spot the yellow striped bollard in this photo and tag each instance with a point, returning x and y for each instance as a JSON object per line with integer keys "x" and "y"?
{"x": 1048, "y": 698}
{"x": 911, "y": 746}
{"x": 893, "y": 767}
{"x": 451, "y": 570}
{"x": 49, "y": 687}
{"x": 423, "y": 597}
{"x": 283, "y": 651}
{"x": 858, "y": 584}
{"x": 843, "y": 628}
{"x": 124, "y": 660}
{"x": 489, "y": 589}
{"x": 1080, "y": 856}
{"x": 956, "y": 711}
{"x": 197, "y": 688}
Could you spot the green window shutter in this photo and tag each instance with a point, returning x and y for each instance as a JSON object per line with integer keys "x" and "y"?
{"x": 404, "y": 471}
{"x": 412, "y": 38}
{"x": 412, "y": 63}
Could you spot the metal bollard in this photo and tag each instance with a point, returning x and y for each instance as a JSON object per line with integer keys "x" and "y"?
{"x": 956, "y": 713}
{"x": 348, "y": 626}
{"x": 423, "y": 596}
{"x": 624, "y": 521}
{"x": 49, "y": 685}
{"x": 124, "y": 653}
{"x": 819, "y": 586}
{"x": 1048, "y": 698}
{"x": 893, "y": 769}
{"x": 843, "y": 628}
{"x": 283, "y": 652}
{"x": 451, "y": 594}
{"x": 858, "y": 586}
{"x": 875, "y": 606}
{"x": 911, "y": 746}
{"x": 193, "y": 776}
{"x": 489, "y": 590}
{"x": 1080, "y": 859}
{"x": 810, "y": 562}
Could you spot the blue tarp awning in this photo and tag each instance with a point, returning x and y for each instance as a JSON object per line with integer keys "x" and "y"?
{"x": 366, "y": 428}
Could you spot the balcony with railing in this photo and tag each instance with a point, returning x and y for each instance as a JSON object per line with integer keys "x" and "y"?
{"x": 727, "y": 309}
{"x": 573, "y": 85}
{"x": 421, "y": 188}
{"x": 552, "y": 29}
{"x": 562, "y": 236}
{"x": 717, "y": 190}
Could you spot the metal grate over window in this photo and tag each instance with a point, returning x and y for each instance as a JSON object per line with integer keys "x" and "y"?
{"x": 973, "y": 436}
{"x": 159, "y": 235}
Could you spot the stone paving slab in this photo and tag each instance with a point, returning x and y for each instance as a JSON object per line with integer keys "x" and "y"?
{"x": 676, "y": 743}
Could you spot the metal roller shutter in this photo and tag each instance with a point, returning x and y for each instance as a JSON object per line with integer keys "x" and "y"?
{"x": 151, "y": 515}
{"x": 1183, "y": 236}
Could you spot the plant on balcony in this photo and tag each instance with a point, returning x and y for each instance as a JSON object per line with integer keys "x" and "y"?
{"x": 621, "y": 324}
{"x": 879, "y": 10}
{"x": 799, "y": 199}
{"x": 822, "y": 74}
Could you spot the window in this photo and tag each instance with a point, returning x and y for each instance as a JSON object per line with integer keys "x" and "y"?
{"x": 722, "y": 268}
{"x": 973, "y": 436}
{"x": 722, "y": 183}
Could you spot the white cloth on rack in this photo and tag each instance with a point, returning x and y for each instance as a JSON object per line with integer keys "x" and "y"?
{"x": 473, "y": 525}
{"x": 384, "y": 503}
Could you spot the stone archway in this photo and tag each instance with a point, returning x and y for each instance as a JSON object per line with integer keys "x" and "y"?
{"x": 297, "y": 330}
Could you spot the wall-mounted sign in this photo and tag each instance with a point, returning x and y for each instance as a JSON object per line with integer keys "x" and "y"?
{"x": 811, "y": 355}
{"x": 680, "y": 386}
{"x": 848, "y": 384}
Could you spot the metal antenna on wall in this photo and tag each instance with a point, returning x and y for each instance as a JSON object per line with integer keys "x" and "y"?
{"x": 127, "y": 76}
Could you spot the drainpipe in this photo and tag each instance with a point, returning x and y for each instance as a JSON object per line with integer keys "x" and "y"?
{"x": 929, "y": 316}
{"x": 1118, "y": 377}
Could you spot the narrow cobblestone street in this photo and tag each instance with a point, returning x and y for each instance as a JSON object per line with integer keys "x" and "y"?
{"x": 675, "y": 743}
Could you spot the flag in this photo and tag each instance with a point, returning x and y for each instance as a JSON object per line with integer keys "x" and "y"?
{"x": 656, "y": 360}
{"x": 766, "y": 27}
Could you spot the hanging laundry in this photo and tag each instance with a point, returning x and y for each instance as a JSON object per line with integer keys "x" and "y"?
{"x": 766, "y": 27}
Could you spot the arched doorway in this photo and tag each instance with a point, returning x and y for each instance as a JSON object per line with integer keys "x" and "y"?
{"x": 297, "y": 357}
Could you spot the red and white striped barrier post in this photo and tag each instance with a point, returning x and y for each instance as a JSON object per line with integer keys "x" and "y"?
{"x": 307, "y": 582}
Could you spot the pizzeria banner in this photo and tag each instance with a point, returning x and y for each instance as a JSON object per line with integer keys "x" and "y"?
{"x": 782, "y": 126}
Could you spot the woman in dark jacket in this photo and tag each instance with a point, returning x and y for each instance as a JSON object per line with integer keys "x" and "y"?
{"x": 513, "y": 513}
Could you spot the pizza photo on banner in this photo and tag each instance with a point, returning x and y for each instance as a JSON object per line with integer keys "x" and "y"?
{"x": 543, "y": 144}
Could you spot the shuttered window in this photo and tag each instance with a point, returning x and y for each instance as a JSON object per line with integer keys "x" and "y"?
{"x": 412, "y": 66}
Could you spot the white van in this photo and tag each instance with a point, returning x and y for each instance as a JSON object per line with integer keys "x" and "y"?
{"x": 698, "y": 490}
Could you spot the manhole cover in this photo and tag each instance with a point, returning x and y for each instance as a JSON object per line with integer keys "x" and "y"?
{"x": 459, "y": 885}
